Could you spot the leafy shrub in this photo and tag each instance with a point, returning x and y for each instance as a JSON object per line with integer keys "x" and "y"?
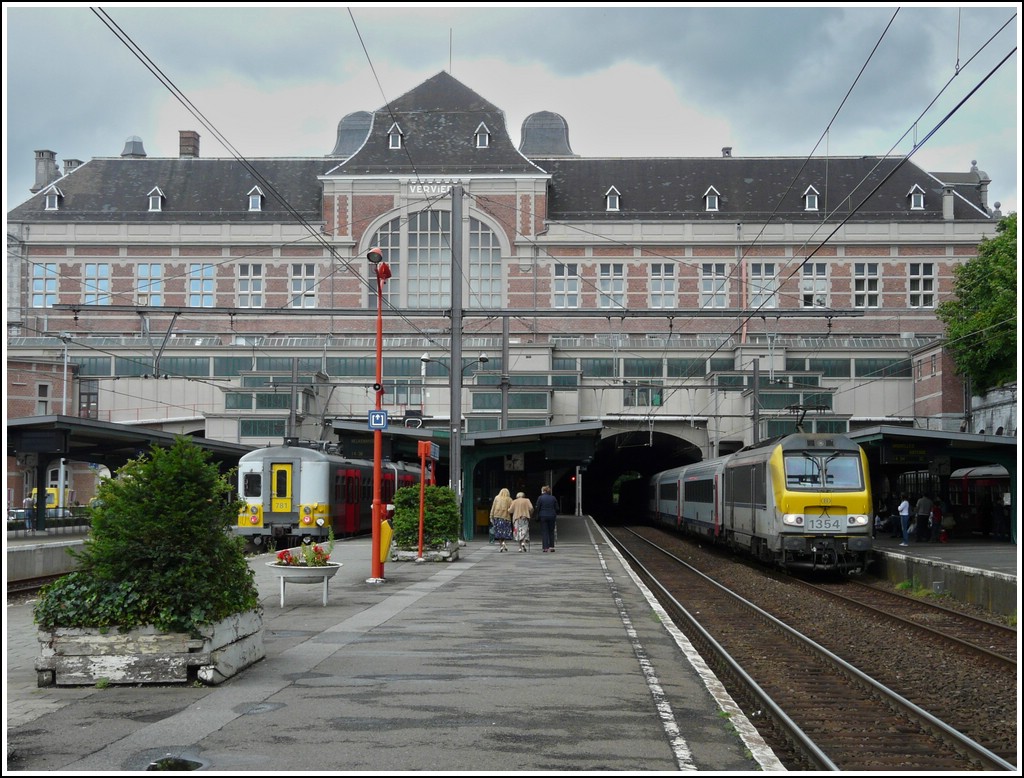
{"x": 160, "y": 552}
{"x": 440, "y": 517}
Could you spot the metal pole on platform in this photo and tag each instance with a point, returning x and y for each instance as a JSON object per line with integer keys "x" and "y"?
{"x": 383, "y": 273}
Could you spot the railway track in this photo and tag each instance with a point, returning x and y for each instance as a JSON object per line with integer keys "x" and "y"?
{"x": 986, "y": 638}
{"x": 818, "y": 710}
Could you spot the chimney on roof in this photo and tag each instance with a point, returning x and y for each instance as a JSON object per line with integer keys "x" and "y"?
{"x": 947, "y": 203}
{"x": 726, "y": 151}
{"x": 46, "y": 170}
{"x": 188, "y": 144}
{"x": 71, "y": 164}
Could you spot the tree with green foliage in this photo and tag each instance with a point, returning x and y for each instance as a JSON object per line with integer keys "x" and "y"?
{"x": 440, "y": 517}
{"x": 160, "y": 552}
{"x": 981, "y": 321}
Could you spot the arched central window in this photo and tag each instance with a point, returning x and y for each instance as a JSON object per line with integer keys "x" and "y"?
{"x": 419, "y": 251}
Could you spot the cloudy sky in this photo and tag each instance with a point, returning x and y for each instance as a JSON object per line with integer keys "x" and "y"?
{"x": 675, "y": 80}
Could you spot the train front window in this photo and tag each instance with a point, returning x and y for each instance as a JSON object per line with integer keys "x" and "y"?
{"x": 251, "y": 485}
{"x": 837, "y": 471}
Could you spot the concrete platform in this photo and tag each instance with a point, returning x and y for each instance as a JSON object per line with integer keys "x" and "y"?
{"x": 496, "y": 662}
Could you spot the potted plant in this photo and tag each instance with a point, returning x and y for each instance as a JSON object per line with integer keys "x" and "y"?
{"x": 440, "y": 524}
{"x": 306, "y": 563}
{"x": 163, "y": 591}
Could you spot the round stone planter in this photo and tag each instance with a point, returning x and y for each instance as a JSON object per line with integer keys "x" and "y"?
{"x": 304, "y": 574}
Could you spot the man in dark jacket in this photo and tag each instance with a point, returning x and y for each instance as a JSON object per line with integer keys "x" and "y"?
{"x": 547, "y": 512}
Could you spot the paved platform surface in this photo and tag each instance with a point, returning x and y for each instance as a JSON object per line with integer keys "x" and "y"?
{"x": 994, "y": 556}
{"x": 498, "y": 662}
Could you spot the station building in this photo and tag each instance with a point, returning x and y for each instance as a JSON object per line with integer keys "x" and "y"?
{"x": 587, "y": 315}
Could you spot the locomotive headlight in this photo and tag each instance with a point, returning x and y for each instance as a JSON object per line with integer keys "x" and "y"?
{"x": 320, "y": 521}
{"x": 858, "y": 520}
{"x": 793, "y": 519}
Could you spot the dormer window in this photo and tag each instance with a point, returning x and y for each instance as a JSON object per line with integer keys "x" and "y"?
{"x": 53, "y": 198}
{"x": 395, "y": 137}
{"x": 711, "y": 199}
{"x": 916, "y": 195}
{"x": 611, "y": 199}
{"x": 483, "y": 137}
{"x": 255, "y": 199}
{"x": 156, "y": 199}
{"x": 811, "y": 199}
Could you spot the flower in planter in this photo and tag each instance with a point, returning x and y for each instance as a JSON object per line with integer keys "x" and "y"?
{"x": 308, "y": 554}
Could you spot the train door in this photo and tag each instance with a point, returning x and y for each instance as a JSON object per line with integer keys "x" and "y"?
{"x": 281, "y": 479}
{"x": 350, "y": 502}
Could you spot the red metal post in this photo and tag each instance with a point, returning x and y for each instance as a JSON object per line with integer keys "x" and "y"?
{"x": 383, "y": 273}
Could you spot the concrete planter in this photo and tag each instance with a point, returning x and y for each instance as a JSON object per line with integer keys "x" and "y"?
{"x": 449, "y": 553}
{"x": 80, "y": 657}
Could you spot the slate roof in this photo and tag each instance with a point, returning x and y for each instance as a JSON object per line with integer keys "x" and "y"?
{"x": 439, "y": 121}
{"x": 754, "y": 189}
{"x": 201, "y": 190}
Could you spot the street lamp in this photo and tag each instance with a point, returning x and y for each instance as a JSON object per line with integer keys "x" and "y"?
{"x": 455, "y": 446}
{"x": 383, "y": 273}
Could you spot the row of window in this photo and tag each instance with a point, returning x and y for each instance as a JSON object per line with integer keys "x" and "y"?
{"x": 801, "y": 371}
{"x": 481, "y": 137}
{"x": 810, "y": 199}
{"x": 156, "y": 198}
{"x": 428, "y": 283}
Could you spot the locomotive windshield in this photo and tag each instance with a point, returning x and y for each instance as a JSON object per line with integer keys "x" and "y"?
{"x": 821, "y": 471}
{"x": 252, "y": 485}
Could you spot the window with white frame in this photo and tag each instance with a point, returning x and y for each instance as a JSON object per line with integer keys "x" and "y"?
{"x": 395, "y": 137}
{"x": 303, "y": 285}
{"x": 483, "y": 137}
{"x": 916, "y": 198}
{"x": 865, "y": 284}
{"x": 711, "y": 199}
{"x": 567, "y": 285}
{"x": 663, "y": 285}
{"x": 611, "y": 285}
{"x": 42, "y": 400}
{"x": 255, "y": 199}
{"x": 763, "y": 285}
{"x": 250, "y": 285}
{"x": 713, "y": 285}
{"x": 156, "y": 199}
{"x": 52, "y": 200}
{"x": 423, "y": 280}
{"x": 44, "y": 284}
{"x": 200, "y": 285}
{"x": 921, "y": 277}
{"x": 96, "y": 283}
{"x": 150, "y": 283}
{"x": 814, "y": 285}
{"x": 485, "y": 287}
{"x": 611, "y": 199}
{"x": 811, "y": 199}
{"x": 429, "y": 269}
{"x": 404, "y": 391}
{"x": 647, "y": 393}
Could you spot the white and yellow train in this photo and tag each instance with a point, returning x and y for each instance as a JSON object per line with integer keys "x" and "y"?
{"x": 800, "y": 501}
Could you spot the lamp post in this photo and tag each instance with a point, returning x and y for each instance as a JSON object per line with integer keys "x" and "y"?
{"x": 383, "y": 273}
{"x": 455, "y": 447}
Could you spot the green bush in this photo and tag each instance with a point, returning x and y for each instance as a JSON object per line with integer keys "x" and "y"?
{"x": 161, "y": 551}
{"x": 440, "y": 517}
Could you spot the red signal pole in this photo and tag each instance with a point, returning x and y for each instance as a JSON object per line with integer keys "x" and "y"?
{"x": 383, "y": 273}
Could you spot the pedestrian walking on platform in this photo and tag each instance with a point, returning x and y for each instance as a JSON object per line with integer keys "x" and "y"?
{"x": 924, "y": 512}
{"x": 501, "y": 518}
{"x": 547, "y": 512}
{"x": 904, "y": 511}
{"x": 522, "y": 512}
